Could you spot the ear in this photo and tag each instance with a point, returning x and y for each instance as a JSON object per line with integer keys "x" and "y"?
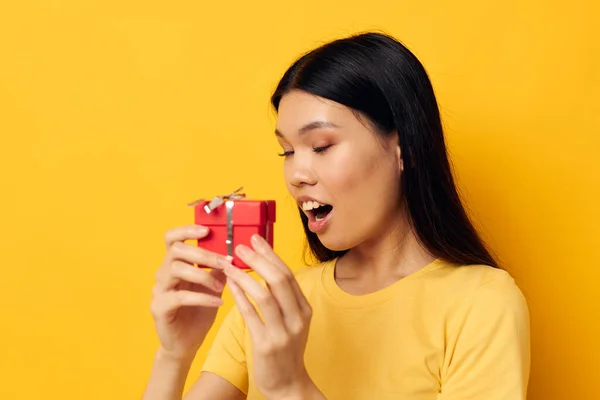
{"x": 399, "y": 157}
{"x": 394, "y": 140}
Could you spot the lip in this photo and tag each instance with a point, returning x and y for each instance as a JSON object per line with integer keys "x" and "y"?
{"x": 319, "y": 226}
{"x": 314, "y": 225}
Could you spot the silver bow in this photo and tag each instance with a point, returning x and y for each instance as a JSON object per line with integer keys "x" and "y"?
{"x": 218, "y": 200}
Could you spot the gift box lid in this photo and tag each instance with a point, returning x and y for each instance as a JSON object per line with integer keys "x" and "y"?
{"x": 244, "y": 212}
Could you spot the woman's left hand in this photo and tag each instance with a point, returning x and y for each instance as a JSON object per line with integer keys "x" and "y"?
{"x": 280, "y": 340}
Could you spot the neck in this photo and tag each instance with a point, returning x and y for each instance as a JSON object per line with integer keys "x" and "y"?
{"x": 391, "y": 255}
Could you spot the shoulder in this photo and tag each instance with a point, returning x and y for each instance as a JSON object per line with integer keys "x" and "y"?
{"x": 468, "y": 280}
{"x": 491, "y": 293}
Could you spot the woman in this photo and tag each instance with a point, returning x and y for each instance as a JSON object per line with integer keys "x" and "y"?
{"x": 406, "y": 302}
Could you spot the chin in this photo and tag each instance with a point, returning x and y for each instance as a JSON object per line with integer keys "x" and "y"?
{"x": 334, "y": 242}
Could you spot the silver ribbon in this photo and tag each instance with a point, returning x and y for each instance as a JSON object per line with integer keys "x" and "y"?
{"x": 229, "y": 241}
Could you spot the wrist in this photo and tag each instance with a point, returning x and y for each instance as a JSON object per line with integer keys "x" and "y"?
{"x": 168, "y": 376}
{"x": 167, "y": 357}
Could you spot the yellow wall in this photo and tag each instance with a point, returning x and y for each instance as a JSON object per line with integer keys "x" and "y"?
{"x": 115, "y": 114}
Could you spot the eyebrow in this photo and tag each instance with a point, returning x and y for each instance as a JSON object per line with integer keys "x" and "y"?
{"x": 310, "y": 127}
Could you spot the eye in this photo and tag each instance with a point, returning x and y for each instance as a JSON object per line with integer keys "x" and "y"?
{"x": 321, "y": 149}
{"x": 286, "y": 154}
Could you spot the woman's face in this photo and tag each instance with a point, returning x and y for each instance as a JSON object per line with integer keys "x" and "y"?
{"x": 337, "y": 160}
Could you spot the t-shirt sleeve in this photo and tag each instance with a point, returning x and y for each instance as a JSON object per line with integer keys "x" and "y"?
{"x": 488, "y": 345}
{"x": 227, "y": 356}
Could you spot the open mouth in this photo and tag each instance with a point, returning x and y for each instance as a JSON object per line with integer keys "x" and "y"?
{"x": 315, "y": 210}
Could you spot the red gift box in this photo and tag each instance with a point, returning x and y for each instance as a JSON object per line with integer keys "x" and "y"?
{"x": 232, "y": 221}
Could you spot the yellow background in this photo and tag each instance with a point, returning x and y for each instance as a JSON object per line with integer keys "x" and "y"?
{"x": 115, "y": 114}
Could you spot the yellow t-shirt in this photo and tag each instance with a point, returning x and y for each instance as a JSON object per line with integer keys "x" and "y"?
{"x": 444, "y": 332}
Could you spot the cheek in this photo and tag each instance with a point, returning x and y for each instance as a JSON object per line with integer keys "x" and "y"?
{"x": 365, "y": 184}
{"x": 350, "y": 171}
{"x": 339, "y": 172}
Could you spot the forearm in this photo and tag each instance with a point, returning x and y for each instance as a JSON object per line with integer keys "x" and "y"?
{"x": 167, "y": 379}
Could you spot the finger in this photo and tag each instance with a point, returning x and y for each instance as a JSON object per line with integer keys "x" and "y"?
{"x": 267, "y": 304}
{"x": 181, "y": 271}
{"x": 301, "y": 298}
{"x": 194, "y": 255}
{"x": 278, "y": 281}
{"x": 262, "y": 247}
{"x": 168, "y": 303}
{"x": 219, "y": 275}
{"x": 184, "y": 233}
{"x": 245, "y": 307}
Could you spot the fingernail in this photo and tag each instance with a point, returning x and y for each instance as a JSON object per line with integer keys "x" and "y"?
{"x": 242, "y": 250}
{"x": 255, "y": 240}
{"x": 223, "y": 260}
{"x": 201, "y": 230}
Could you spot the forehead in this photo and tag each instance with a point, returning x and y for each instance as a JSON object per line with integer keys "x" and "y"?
{"x": 298, "y": 108}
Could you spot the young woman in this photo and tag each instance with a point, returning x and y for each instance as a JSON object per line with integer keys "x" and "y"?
{"x": 406, "y": 302}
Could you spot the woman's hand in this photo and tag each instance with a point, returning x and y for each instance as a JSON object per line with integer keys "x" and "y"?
{"x": 280, "y": 340}
{"x": 186, "y": 298}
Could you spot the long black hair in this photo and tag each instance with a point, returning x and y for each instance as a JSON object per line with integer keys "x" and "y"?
{"x": 377, "y": 76}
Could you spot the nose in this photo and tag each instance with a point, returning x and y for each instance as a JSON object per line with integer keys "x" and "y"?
{"x": 300, "y": 172}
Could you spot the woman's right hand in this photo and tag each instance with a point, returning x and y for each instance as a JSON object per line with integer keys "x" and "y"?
{"x": 186, "y": 298}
